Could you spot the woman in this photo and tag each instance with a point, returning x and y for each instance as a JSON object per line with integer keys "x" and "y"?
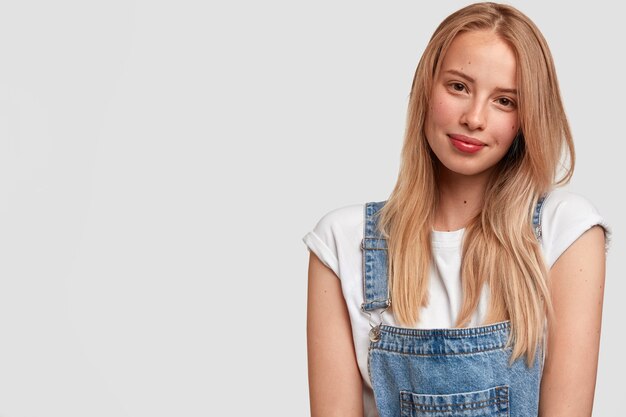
{"x": 476, "y": 289}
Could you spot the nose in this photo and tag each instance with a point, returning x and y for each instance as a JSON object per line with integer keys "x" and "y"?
{"x": 474, "y": 115}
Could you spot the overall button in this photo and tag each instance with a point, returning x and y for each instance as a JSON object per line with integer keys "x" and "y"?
{"x": 375, "y": 334}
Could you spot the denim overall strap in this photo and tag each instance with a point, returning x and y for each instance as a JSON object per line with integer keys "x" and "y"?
{"x": 375, "y": 289}
{"x": 538, "y": 235}
{"x": 537, "y": 216}
{"x": 374, "y": 246}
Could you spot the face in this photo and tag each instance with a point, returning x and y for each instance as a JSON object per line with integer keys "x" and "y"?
{"x": 473, "y": 117}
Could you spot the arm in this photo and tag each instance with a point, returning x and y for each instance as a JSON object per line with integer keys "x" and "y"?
{"x": 577, "y": 289}
{"x": 334, "y": 380}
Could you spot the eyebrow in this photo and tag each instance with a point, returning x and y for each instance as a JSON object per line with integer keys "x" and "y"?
{"x": 471, "y": 80}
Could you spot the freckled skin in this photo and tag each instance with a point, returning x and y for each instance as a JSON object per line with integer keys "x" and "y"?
{"x": 473, "y": 108}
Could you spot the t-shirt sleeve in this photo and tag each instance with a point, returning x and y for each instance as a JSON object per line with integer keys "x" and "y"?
{"x": 565, "y": 216}
{"x": 322, "y": 241}
{"x": 334, "y": 236}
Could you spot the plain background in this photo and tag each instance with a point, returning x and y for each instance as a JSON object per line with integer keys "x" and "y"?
{"x": 160, "y": 162}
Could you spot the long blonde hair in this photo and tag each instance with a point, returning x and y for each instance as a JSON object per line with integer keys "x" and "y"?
{"x": 499, "y": 246}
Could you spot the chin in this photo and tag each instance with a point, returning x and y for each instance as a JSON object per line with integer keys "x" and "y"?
{"x": 465, "y": 169}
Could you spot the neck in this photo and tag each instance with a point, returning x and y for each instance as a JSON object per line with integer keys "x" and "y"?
{"x": 460, "y": 199}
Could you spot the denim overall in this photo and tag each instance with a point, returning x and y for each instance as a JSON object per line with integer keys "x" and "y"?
{"x": 456, "y": 372}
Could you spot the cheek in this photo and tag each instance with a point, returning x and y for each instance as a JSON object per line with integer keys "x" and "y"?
{"x": 506, "y": 130}
{"x": 442, "y": 111}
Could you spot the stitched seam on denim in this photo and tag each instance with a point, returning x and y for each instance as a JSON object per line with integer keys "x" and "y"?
{"x": 448, "y": 333}
{"x": 508, "y": 409}
{"x": 444, "y": 335}
{"x": 473, "y": 352}
{"x": 363, "y": 250}
{"x": 366, "y": 243}
{"x": 427, "y": 409}
{"x": 375, "y": 303}
{"x": 500, "y": 390}
{"x": 457, "y": 406}
{"x": 369, "y": 360}
{"x": 415, "y": 398}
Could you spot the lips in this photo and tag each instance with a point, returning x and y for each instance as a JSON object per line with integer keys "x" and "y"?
{"x": 466, "y": 144}
{"x": 466, "y": 139}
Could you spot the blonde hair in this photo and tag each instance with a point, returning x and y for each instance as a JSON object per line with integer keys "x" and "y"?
{"x": 499, "y": 246}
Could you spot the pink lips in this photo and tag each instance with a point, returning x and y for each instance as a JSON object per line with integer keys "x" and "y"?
{"x": 466, "y": 144}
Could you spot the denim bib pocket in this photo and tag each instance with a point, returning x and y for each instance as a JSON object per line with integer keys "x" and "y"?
{"x": 492, "y": 402}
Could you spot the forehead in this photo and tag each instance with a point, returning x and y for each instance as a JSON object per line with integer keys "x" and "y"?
{"x": 482, "y": 54}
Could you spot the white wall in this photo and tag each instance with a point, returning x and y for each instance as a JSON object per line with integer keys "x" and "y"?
{"x": 160, "y": 162}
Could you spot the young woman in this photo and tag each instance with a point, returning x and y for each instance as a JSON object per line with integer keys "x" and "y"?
{"x": 476, "y": 289}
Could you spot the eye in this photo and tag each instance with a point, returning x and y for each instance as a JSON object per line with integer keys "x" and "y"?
{"x": 457, "y": 86}
{"x": 506, "y": 102}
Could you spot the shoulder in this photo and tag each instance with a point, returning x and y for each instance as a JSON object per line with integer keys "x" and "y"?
{"x": 565, "y": 216}
{"x": 562, "y": 198}
{"x": 337, "y": 233}
{"x": 341, "y": 220}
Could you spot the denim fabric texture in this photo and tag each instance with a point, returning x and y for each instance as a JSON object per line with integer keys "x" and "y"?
{"x": 456, "y": 372}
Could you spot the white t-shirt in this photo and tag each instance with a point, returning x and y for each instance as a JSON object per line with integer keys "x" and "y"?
{"x": 336, "y": 241}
